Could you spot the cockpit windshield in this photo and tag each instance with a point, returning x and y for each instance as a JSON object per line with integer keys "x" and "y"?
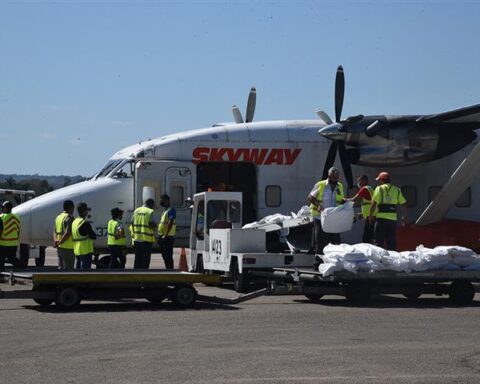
{"x": 108, "y": 168}
{"x": 124, "y": 170}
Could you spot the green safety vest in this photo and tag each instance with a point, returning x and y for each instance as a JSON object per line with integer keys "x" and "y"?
{"x": 60, "y": 228}
{"x": 366, "y": 204}
{"x": 112, "y": 230}
{"x": 163, "y": 225}
{"x": 82, "y": 245}
{"x": 141, "y": 228}
{"x": 387, "y": 197}
{"x": 11, "y": 230}
{"x": 321, "y": 188}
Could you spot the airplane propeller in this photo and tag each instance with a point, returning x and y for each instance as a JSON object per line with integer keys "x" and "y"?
{"x": 339, "y": 126}
{"x": 252, "y": 101}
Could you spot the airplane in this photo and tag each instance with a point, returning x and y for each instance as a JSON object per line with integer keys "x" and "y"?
{"x": 274, "y": 164}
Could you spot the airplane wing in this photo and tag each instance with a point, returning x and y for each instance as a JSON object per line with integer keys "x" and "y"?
{"x": 469, "y": 114}
{"x": 460, "y": 180}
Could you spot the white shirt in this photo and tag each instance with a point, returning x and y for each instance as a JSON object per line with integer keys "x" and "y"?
{"x": 329, "y": 196}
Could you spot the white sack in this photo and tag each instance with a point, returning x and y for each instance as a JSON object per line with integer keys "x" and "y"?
{"x": 338, "y": 219}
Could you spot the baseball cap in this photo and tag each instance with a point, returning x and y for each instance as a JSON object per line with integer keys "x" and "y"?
{"x": 383, "y": 176}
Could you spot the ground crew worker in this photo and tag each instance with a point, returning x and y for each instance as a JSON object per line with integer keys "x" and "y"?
{"x": 9, "y": 235}
{"x": 83, "y": 236}
{"x": 365, "y": 194}
{"x": 117, "y": 240}
{"x": 144, "y": 234}
{"x": 325, "y": 194}
{"x": 166, "y": 231}
{"x": 62, "y": 236}
{"x": 386, "y": 198}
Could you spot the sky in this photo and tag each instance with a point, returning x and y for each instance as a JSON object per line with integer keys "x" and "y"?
{"x": 79, "y": 80}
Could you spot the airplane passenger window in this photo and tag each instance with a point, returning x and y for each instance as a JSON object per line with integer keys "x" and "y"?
{"x": 465, "y": 200}
{"x": 273, "y": 195}
{"x": 410, "y": 193}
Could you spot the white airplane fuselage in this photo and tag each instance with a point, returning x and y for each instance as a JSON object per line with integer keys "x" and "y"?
{"x": 275, "y": 164}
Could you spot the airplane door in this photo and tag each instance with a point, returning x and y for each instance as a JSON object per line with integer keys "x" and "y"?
{"x": 149, "y": 177}
{"x": 178, "y": 185}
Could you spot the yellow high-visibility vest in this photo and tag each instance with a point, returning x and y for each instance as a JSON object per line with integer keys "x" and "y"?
{"x": 11, "y": 230}
{"x": 141, "y": 219}
{"x": 321, "y": 188}
{"x": 387, "y": 197}
{"x": 60, "y": 229}
{"x": 112, "y": 231}
{"x": 163, "y": 225}
{"x": 82, "y": 245}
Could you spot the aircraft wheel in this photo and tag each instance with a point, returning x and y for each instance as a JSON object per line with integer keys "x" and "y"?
{"x": 184, "y": 296}
{"x": 461, "y": 292}
{"x": 67, "y": 298}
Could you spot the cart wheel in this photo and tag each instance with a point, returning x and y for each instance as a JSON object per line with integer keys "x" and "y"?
{"x": 67, "y": 298}
{"x": 461, "y": 292}
{"x": 184, "y": 296}
{"x": 158, "y": 296}
{"x": 42, "y": 302}
{"x": 412, "y": 296}
{"x": 358, "y": 294}
{"x": 314, "y": 297}
{"x": 240, "y": 280}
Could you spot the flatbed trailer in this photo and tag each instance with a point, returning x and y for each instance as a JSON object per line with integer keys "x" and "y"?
{"x": 67, "y": 289}
{"x": 358, "y": 287}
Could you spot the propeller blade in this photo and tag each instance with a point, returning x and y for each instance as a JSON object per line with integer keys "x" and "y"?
{"x": 339, "y": 93}
{"x": 237, "y": 115}
{"x": 347, "y": 167}
{"x": 252, "y": 100}
{"x": 324, "y": 117}
{"x": 332, "y": 151}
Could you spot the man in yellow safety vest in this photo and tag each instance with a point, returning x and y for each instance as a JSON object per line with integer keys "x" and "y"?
{"x": 365, "y": 195}
{"x": 9, "y": 235}
{"x": 62, "y": 236}
{"x": 83, "y": 236}
{"x": 143, "y": 233}
{"x": 117, "y": 241}
{"x": 325, "y": 194}
{"x": 166, "y": 231}
{"x": 386, "y": 198}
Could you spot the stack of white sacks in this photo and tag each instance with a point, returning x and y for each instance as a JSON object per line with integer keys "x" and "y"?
{"x": 368, "y": 258}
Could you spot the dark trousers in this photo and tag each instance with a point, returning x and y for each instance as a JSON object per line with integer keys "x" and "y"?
{"x": 323, "y": 238}
{"x": 143, "y": 254}
{"x": 386, "y": 234}
{"x": 84, "y": 262}
{"x": 368, "y": 232}
{"x": 7, "y": 254}
{"x": 166, "y": 247}
{"x": 117, "y": 256}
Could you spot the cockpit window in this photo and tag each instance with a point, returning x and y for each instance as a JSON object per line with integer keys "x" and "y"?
{"x": 124, "y": 170}
{"x": 108, "y": 168}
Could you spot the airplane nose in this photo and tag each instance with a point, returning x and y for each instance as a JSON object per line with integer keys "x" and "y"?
{"x": 24, "y": 212}
{"x": 333, "y": 132}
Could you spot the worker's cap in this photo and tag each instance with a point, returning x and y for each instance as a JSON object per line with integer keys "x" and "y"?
{"x": 81, "y": 207}
{"x": 7, "y": 204}
{"x": 116, "y": 211}
{"x": 383, "y": 176}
